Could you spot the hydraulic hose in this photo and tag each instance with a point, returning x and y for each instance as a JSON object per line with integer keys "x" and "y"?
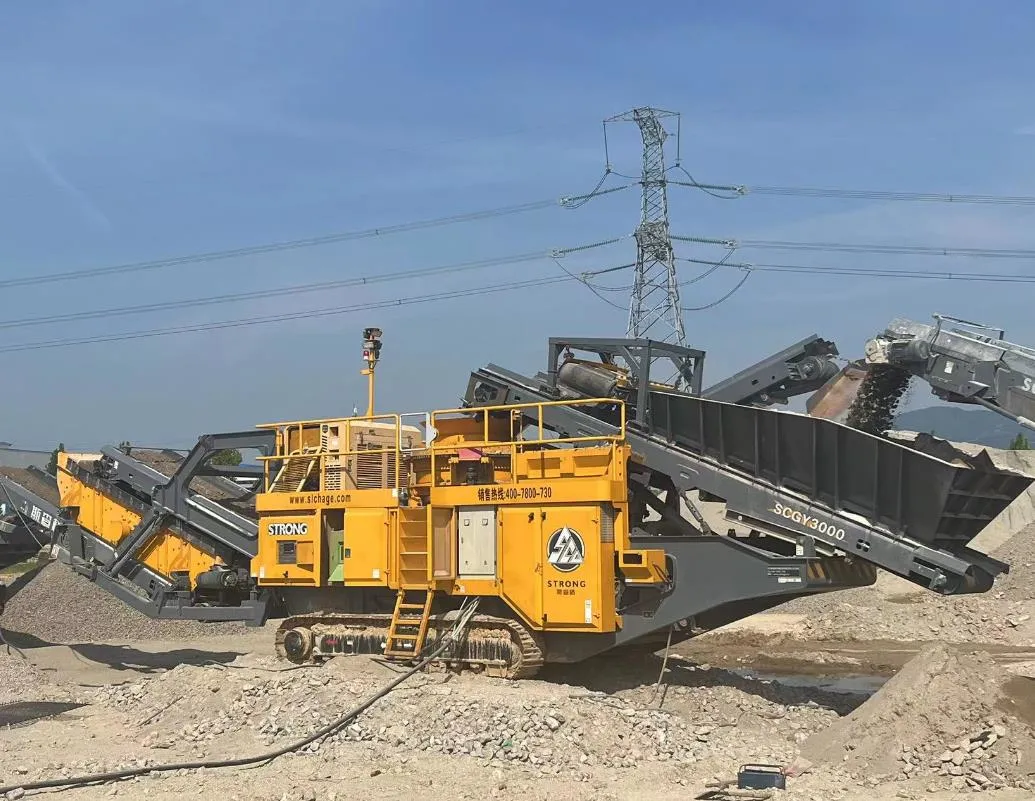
{"x": 466, "y": 613}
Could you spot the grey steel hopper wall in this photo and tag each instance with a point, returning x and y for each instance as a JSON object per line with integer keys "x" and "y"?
{"x": 911, "y": 493}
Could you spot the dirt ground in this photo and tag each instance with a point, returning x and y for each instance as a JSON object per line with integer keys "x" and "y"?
{"x": 591, "y": 731}
{"x": 880, "y": 693}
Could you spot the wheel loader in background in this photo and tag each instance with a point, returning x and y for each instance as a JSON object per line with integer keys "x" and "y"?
{"x": 569, "y": 502}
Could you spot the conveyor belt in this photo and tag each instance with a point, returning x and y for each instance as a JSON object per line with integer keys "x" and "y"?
{"x": 28, "y": 512}
{"x": 802, "y": 477}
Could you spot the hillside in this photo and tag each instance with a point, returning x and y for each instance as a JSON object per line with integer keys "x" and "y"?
{"x": 962, "y": 425}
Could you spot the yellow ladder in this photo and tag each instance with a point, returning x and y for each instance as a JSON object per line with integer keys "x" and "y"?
{"x": 409, "y": 624}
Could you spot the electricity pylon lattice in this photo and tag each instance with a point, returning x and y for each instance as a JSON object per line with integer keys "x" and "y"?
{"x": 654, "y": 310}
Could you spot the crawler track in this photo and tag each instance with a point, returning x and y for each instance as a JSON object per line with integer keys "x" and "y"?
{"x": 501, "y": 646}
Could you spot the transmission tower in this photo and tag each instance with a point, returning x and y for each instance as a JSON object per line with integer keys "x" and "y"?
{"x": 654, "y": 310}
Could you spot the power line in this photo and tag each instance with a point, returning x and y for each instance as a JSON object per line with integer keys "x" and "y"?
{"x": 911, "y": 250}
{"x": 275, "y": 247}
{"x": 297, "y": 289}
{"x": 596, "y": 289}
{"x": 740, "y": 190}
{"x": 529, "y": 283}
{"x": 1013, "y": 278}
{"x": 874, "y": 194}
{"x": 301, "y": 315}
{"x": 864, "y": 247}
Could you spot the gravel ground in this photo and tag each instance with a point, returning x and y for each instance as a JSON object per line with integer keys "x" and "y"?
{"x": 935, "y": 727}
{"x": 549, "y": 727}
{"x": 60, "y": 607}
{"x": 894, "y": 609}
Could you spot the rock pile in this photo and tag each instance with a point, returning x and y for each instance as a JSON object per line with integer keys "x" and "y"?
{"x": 896, "y": 610}
{"x": 21, "y": 681}
{"x": 60, "y": 607}
{"x": 970, "y": 757}
{"x": 544, "y": 727}
{"x": 941, "y": 718}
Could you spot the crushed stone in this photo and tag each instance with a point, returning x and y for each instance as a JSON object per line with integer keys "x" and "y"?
{"x": 945, "y": 718}
{"x": 546, "y": 728}
{"x": 60, "y": 607}
{"x": 894, "y": 609}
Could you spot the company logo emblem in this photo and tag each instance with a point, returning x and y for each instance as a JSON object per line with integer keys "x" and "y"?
{"x": 565, "y": 550}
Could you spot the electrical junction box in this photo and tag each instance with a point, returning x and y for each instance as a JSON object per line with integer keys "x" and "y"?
{"x": 476, "y": 533}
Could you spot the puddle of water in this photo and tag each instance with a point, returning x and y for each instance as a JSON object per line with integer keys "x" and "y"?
{"x": 860, "y": 684}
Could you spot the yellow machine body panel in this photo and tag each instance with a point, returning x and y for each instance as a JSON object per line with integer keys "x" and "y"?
{"x": 166, "y": 552}
{"x": 647, "y": 566}
{"x": 363, "y": 550}
{"x": 291, "y": 550}
{"x": 521, "y": 561}
{"x": 557, "y": 566}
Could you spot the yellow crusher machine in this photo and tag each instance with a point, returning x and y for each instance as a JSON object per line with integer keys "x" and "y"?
{"x": 587, "y": 507}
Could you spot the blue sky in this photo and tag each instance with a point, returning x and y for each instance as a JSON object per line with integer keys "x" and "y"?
{"x": 133, "y": 131}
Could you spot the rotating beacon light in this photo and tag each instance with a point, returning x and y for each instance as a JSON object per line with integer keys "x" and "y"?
{"x": 371, "y": 352}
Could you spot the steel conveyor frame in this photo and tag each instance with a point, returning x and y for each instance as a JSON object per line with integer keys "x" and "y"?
{"x": 167, "y": 502}
{"x": 719, "y": 579}
{"x": 962, "y": 364}
{"x": 902, "y": 510}
{"x": 34, "y": 518}
{"x": 798, "y": 369}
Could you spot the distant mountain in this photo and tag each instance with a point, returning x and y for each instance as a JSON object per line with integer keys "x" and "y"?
{"x": 980, "y": 426}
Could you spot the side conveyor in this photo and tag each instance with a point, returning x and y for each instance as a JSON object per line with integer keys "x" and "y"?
{"x": 814, "y": 482}
{"x": 28, "y": 512}
{"x": 156, "y": 541}
{"x": 29, "y": 520}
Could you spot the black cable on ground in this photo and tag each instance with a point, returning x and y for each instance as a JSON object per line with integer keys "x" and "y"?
{"x": 116, "y": 775}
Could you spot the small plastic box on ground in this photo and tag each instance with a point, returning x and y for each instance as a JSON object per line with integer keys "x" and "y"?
{"x": 761, "y": 777}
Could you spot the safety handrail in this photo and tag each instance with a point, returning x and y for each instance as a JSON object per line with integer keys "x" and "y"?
{"x": 539, "y": 406}
{"x": 514, "y": 442}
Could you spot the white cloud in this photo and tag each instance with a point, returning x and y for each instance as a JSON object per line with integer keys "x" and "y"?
{"x": 60, "y": 181}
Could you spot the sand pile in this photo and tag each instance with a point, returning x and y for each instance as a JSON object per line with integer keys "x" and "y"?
{"x": 1019, "y": 553}
{"x": 60, "y": 607}
{"x": 948, "y": 717}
